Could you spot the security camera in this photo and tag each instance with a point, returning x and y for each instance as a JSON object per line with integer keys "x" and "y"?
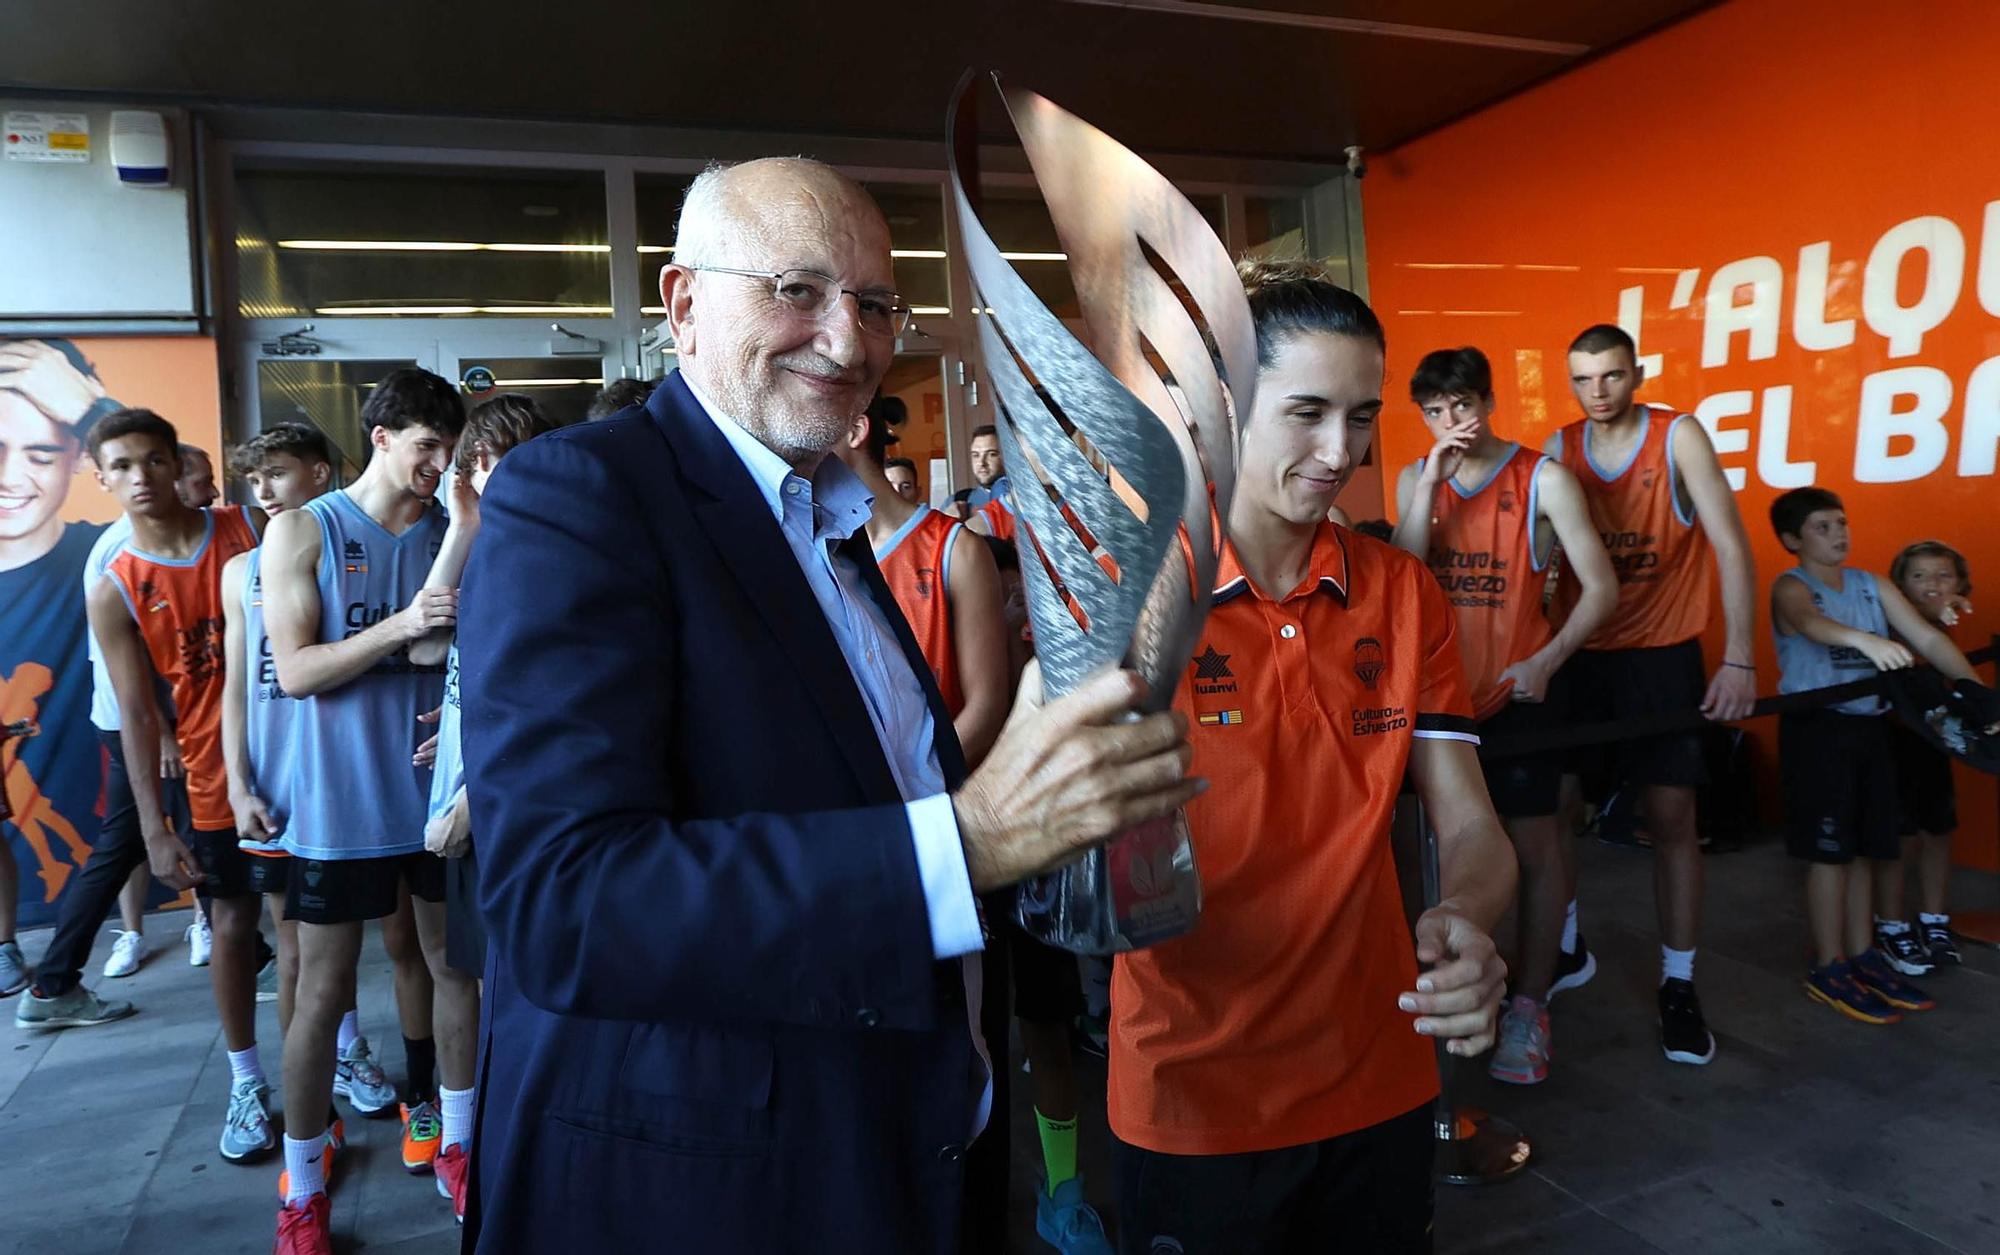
{"x": 1355, "y": 165}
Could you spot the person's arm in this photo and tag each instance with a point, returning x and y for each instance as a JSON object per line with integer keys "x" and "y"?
{"x": 305, "y": 664}
{"x": 1563, "y": 505}
{"x": 820, "y": 918}
{"x": 1923, "y": 636}
{"x": 132, "y": 679}
{"x": 1793, "y": 611}
{"x": 253, "y": 816}
{"x": 1458, "y": 998}
{"x": 448, "y": 568}
{"x": 1413, "y": 510}
{"x": 1732, "y": 691}
{"x": 979, "y": 644}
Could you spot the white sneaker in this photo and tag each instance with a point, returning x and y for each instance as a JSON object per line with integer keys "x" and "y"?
{"x": 246, "y": 1130}
{"x": 358, "y": 1079}
{"x": 127, "y": 953}
{"x": 198, "y": 940}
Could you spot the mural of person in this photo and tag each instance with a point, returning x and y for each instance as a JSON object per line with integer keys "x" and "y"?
{"x": 49, "y": 396}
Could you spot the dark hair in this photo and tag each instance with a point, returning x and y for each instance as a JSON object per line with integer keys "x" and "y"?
{"x": 1602, "y": 338}
{"x": 985, "y": 429}
{"x": 301, "y": 440}
{"x": 1378, "y": 528}
{"x": 1462, "y": 372}
{"x": 186, "y": 451}
{"x": 619, "y": 394}
{"x": 499, "y": 423}
{"x": 880, "y": 437}
{"x": 413, "y": 397}
{"x": 905, "y": 463}
{"x": 1932, "y": 549}
{"x": 132, "y": 421}
{"x": 1791, "y": 510}
{"x": 1293, "y": 298}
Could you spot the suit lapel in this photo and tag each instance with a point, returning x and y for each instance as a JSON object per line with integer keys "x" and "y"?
{"x": 753, "y": 550}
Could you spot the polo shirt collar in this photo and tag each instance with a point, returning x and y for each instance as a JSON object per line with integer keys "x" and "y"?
{"x": 1326, "y": 569}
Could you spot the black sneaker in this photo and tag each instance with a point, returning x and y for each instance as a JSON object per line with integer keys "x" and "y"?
{"x": 1573, "y": 970}
{"x": 1684, "y": 1035}
{"x": 1941, "y": 946}
{"x": 1903, "y": 951}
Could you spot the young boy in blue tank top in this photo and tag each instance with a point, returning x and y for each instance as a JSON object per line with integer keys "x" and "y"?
{"x": 1832, "y": 625}
{"x": 343, "y": 602}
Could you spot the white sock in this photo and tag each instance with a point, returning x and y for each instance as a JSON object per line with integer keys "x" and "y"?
{"x": 245, "y": 1066}
{"x": 457, "y": 1104}
{"x": 1939, "y": 920}
{"x": 1676, "y": 964}
{"x": 305, "y": 1168}
{"x": 350, "y": 1028}
{"x": 1569, "y": 929}
{"x": 1893, "y": 927}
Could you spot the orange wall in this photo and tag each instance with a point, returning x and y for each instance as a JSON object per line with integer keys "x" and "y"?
{"x": 1795, "y": 207}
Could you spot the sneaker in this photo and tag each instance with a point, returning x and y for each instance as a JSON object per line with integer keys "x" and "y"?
{"x": 127, "y": 953}
{"x": 359, "y": 1080}
{"x": 423, "y": 1129}
{"x": 452, "y": 1165}
{"x": 246, "y": 1130}
{"x": 199, "y": 941}
{"x": 14, "y": 975}
{"x": 1873, "y": 973}
{"x": 1684, "y": 1035}
{"x": 267, "y": 982}
{"x": 1573, "y": 969}
{"x": 1904, "y": 951}
{"x": 1068, "y": 1223}
{"x": 79, "y": 1008}
{"x": 1522, "y": 1057}
{"x": 330, "y": 1141}
{"x": 1834, "y": 985}
{"x": 303, "y": 1228}
{"x": 1939, "y": 944}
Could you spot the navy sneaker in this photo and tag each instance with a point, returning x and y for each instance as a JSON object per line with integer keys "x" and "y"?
{"x": 1068, "y": 1223}
{"x": 1941, "y": 946}
{"x": 1873, "y": 973}
{"x": 1684, "y": 1035}
{"x": 1573, "y": 970}
{"x": 1834, "y": 985}
{"x": 1904, "y": 950}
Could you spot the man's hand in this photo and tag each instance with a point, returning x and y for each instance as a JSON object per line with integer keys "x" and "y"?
{"x": 464, "y": 502}
{"x": 432, "y": 608}
{"x": 1458, "y": 998}
{"x": 1531, "y": 678}
{"x": 1070, "y": 775}
{"x": 40, "y": 373}
{"x": 1887, "y": 655}
{"x": 450, "y": 834}
{"x": 172, "y": 863}
{"x": 1446, "y": 454}
{"x": 1731, "y": 694}
{"x": 253, "y": 818}
{"x": 1956, "y": 607}
{"x": 427, "y": 753}
{"x": 172, "y": 765}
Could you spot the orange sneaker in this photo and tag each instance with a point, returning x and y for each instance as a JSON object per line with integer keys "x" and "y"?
{"x": 423, "y": 1130}
{"x": 325, "y": 1168}
{"x": 303, "y": 1229}
{"x": 452, "y": 1165}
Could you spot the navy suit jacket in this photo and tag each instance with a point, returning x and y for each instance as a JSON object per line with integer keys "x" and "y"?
{"x": 712, "y": 1019}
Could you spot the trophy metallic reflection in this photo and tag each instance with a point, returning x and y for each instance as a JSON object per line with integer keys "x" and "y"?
{"x": 1121, "y": 456}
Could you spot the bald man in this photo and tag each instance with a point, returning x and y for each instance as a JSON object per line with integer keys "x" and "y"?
{"x": 729, "y": 851}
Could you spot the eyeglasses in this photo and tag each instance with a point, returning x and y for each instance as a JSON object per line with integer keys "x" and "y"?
{"x": 811, "y": 294}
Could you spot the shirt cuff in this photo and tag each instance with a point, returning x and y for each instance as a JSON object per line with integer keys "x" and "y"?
{"x": 941, "y": 866}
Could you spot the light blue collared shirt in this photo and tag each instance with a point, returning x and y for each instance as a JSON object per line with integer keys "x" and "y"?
{"x": 815, "y": 516}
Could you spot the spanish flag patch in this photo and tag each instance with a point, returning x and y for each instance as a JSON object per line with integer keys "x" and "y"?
{"x": 1215, "y": 717}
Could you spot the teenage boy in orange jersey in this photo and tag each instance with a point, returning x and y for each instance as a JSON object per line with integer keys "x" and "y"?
{"x": 1272, "y": 1072}
{"x": 1487, "y": 514}
{"x": 157, "y": 615}
{"x": 1659, "y": 499}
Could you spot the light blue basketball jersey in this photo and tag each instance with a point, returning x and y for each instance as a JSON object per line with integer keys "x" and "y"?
{"x": 353, "y": 791}
{"x": 449, "y": 773}
{"x": 271, "y": 712}
{"x": 1804, "y": 664}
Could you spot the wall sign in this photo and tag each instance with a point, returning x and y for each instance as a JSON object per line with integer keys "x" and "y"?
{"x": 60, "y": 137}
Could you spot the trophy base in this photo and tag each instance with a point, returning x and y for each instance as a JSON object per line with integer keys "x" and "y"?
{"x": 1475, "y": 1148}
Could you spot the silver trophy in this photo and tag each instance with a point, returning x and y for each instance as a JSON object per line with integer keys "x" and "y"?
{"x": 1121, "y": 456}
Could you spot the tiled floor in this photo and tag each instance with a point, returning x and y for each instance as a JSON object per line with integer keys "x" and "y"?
{"x": 1808, "y": 1133}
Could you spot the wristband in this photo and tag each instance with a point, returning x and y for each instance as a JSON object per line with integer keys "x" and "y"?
{"x": 1740, "y": 666}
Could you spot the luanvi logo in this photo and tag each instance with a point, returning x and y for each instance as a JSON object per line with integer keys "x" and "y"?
{"x": 354, "y": 552}
{"x": 1212, "y": 674}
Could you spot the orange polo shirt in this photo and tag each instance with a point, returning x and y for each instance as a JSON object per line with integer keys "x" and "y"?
{"x": 1274, "y": 1023}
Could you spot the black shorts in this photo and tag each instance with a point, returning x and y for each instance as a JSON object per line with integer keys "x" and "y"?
{"x": 464, "y": 926}
{"x": 230, "y": 872}
{"x": 1047, "y": 988}
{"x": 348, "y": 890}
{"x": 1525, "y": 786}
{"x": 1926, "y": 794}
{"x": 1839, "y": 786}
{"x": 1366, "y": 1191}
{"x": 1612, "y": 684}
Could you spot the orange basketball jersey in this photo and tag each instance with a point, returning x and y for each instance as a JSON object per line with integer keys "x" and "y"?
{"x": 999, "y": 519}
{"x": 1483, "y": 553}
{"x": 1665, "y": 575}
{"x": 916, "y": 564}
{"x": 177, "y": 603}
